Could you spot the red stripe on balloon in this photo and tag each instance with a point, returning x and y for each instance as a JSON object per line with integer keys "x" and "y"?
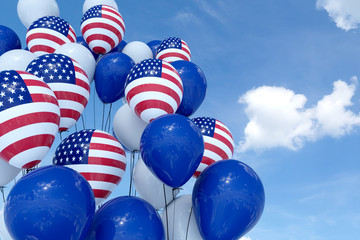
{"x": 106, "y": 147}
{"x": 45, "y": 36}
{"x": 101, "y": 177}
{"x": 225, "y": 141}
{"x": 147, "y": 104}
{"x": 71, "y": 96}
{"x": 107, "y": 162}
{"x": 98, "y": 193}
{"x": 216, "y": 150}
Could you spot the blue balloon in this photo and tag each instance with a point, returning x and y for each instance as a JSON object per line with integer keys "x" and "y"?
{"x": 81, "y": 40}
{"x": 110, "y": 76}
{"x": 119, "y": 47}
{"x": 9, "y": 40}
{"x": 154, "y": 45}
{"x": 127, "y": 218}
{"x": 228, "y": 200}
{"x": 194, "y": 82}
{"x": 172, "y": 147}
{"x": 52, "y": 202}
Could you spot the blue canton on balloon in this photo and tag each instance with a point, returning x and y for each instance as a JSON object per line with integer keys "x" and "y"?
{"x": 93, "y": 12}
{"x": 13, "y": 90}
{"x": 53, "y": 68}
{"x": 74, "y": 149}
{"x": 147, "y": 68}
{"x": 206, "y": 125}
{"x": 53, "y": 23}
{"x": 171, "y": 42}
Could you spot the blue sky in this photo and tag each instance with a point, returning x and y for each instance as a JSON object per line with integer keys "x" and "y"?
{"x": 283, "y": 76}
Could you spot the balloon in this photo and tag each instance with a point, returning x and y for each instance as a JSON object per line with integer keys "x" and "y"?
{"x": 154, "y": 45}
{"x": 126, "y": 218}
{"x": 96, "y": 155}
{"x": 173, "y": 49}
{"x": 30, "y": 10}
{"x": 80, "y": 40}
{"x": 128, "y": 128}
{"x": 219, "y": 143}
{"x": 4, "y": 233}
{"x": 54, "y": 32}
{"x": 172, "y": 147}
{"x": 119, "y": 47}
{"x": 68, "y": 81}
{"x": 90, "y": 3}
{"x": 110, "y": 76}
{"x": 179, "y": 220}
{"x": 9, "y": 40}
{"x": 228, "y": 200}
{"x": 150, "y": 188}
{"x": 138, "y": 51}
{"x": 103, "y": 28}
{"x": 194, "y": 86}
{"x": 51, "y": 201}
{"x": 153, "y": 88}
{"x": 7, "y": 172}
{"x": 29, "y": 122}
{"x": 16, "y": 59}
{"x": 80, "y": 54}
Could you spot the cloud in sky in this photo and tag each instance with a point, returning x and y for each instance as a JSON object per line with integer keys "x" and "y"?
{"x": 345, "y": 13}
{"x": 278, "y": 117}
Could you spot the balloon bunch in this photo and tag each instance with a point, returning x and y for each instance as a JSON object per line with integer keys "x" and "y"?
{"x": 46, "y": 89}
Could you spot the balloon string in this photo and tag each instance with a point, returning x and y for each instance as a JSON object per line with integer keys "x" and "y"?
{"x": 174, "y": 212}
{"x": 188, "y": 224}
{"x": 83, "y": 121}
{"x": 76, "y": 127}
{"x": 3, "y": 193}
{"x": 108, "y": 119}
{"x": 103, "y": 117}
{"x": 94, "y": 111}
{"x": 167, "y": 216}
{"x": 132, "y": 161}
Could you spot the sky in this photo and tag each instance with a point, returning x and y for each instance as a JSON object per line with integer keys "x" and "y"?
{"x": 284, "y": 77}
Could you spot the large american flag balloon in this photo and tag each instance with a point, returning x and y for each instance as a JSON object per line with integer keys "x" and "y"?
{"x": 153, "y": 88}
{"x": 219, "y": 143}
{"x": 68, "y": 81}
{"x": 103, "y": 28}
{"x": 173, "y": 49}
{"x": 48, "y": 33}
{"x": 29, "y": 118}
{"x": 97, "y": 156}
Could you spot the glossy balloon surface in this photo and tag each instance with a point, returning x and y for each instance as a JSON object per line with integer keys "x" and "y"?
{"x": 154, "y": 45}
{"x": 9, "y": 40}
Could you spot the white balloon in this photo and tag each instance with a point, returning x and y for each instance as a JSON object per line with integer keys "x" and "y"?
{"x": 138, "y": 51}
{"x": 16, "y": 59}
{"x": 7, "y": 172}
{"x": 150, "y": 188}
{"x": 4, "y": 233}
{"x": 80, "y": 54}
{"x": 30, "y": 10}
{"x": 128, "y": 128}
{"x": 179, "y": 219}
{"x": 90, "y": 3}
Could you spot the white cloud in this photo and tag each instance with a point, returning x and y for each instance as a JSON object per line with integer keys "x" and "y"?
{"x": 278, "y": 117}
{"x": 345, "y": 13}
{"x": 245, "y": 238}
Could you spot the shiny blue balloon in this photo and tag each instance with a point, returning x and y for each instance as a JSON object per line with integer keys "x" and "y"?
{"x": 195, "y": 85}
{"x": 81, "y": 40}
{"x": 172, "y": 147}
{"x": 228, "y": 200}
{"x": 154, "y": 45}
{"x": 119, "y": 47}
{"x": 51, "y": 202}
{"x": 9, "y": 40}
{"x": 126, "y": 218}
{"x": 110, "y": 76}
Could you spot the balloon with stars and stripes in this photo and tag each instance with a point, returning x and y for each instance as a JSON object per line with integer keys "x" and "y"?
{"x": 97, "y": 156}
{"x": 29, "y": 118}
{"x": 219, "y": 143}
{"x": 103, "y": 28}
{"x": 48, "y": 33}
{"x": 153, "y": 88}
{"x": 173, "y": 49}
{"x": 68, "y": 81}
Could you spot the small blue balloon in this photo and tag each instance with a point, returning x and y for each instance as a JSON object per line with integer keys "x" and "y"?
{"x": 127, "y": 218}
{"x": 81, "y": 40}
{"x": 154, "y": 45}
{"x": 172, "y": 147}
{"x": 119, "y": 47}
{"x": 9, "y": 40}
{"x": 195, "y": 85}
{"x": 228, "y": 200}
{"x": 52, "y": 202}
{"x": 110, "y": 76}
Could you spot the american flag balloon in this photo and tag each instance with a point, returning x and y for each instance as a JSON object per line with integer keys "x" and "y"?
{"x": 103, "y": 28}
{"x": 29, "y": 118}
{"x": 173, "y": 49}
{"x": 97, "y": 156}
{"x": 153, "y": 88}
{"x": 219, "y": 143}
{"x": 48, "y": 33}
{"x": 68, "y": 81}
